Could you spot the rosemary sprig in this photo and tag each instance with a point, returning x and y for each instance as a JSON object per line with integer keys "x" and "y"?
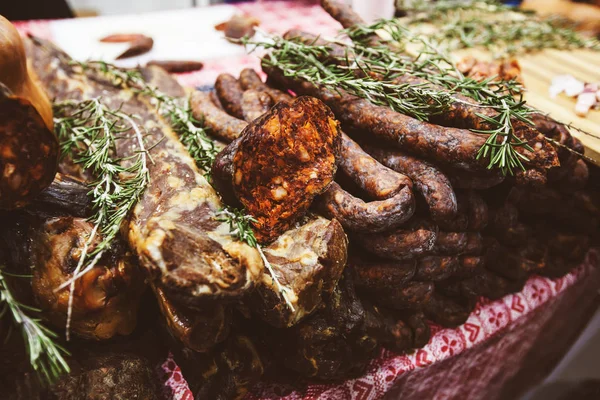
{"x": 191, "y": 133}
{"x": 369, "y": 71}
{"x": 88, "y": 131}
{"x": 45, "y": 355}
{"x": 239, "y": 224}
{"x": 493, "y": 26}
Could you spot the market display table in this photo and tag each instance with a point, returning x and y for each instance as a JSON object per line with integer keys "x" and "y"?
{"x": 505, "y": 347}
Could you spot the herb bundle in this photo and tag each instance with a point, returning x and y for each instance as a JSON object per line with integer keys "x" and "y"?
{"x": 369, "y": 72}
{"x": 192, "y": 135}
{"x": 45, "y": 355}
{"x": 88, "y": 131}
{"x": 490, "y": 25}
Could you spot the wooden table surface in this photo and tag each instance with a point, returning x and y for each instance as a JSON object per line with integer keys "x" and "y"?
{"x": 539, "y": 69}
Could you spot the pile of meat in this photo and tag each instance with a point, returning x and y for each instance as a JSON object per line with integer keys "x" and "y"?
{"x": 370, "y": 223}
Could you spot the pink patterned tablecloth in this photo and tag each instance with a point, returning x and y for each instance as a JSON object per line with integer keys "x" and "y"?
{"x": 503, "y": 348}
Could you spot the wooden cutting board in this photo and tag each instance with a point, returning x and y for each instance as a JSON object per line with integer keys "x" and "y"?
{"x": 539, "y": 69}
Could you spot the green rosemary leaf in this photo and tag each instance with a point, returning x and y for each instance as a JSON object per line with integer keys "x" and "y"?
{"x": 88, "y": 131}
{"x": 488, "y": 24}
{"x": 368, "y": 72}
{"x": 45, "y": 355}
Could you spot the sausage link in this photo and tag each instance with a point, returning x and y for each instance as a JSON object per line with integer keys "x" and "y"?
{"x": 472, "y": 214}
{"x": 412, "y": 296}
{"x": 345, "y": 15}
{"x": 473, "y": 180}
{"x": 450, "y": 243}
{"x": 433, "y": 185}
{"x": 457, "y": 243}
{"x": 478, "y": 212}
{"x": 465, "y": 113}
{"x": 378, "y": 181}
{"x": 375, "y": 275}
{"x": 218, "y": 122}
{"x": 446, "y": 312}
{"x": 454, "y": 147}
{"x": 255, "y": 104}
{"x": 434, "y": 268}
{"x": 376, "y": 216}
{"x": 460, "y": 222}
{"x": 249, "y": 79}
{"x": 406, "y": 242}
{"x": 215, "y": 100}
{"x": 469, "y": 266}
{"x": 230, "y": 93}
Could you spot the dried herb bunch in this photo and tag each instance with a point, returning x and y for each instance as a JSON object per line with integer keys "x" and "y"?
{"x": 369, "y": 71}
{"x": 46, "y": 356}
{"x": 491, "y": 25}
{"x": 178, "y": 112}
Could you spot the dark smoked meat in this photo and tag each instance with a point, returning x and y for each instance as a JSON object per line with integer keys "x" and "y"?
{"x": 28, "y": 151}
{"x": 249, "y": 79}
{"x": 418, "y": 323}
{"x": 436, "y": 268}
{"x": 390, "y": 331}
{"x": 466, "y": 115}
{"x": 112, "y": 376}
{"x": 308, "y": 261}
{"x": 230, "y": 92}
{"x": 417, "y": 238}
{"x": 299, "y": 147}
{"x": 225, "y": 373}
{"x": 254, "y": 104}
{"x": 197, "y": 329}
{"x": 376, "y": 180}
{"x": 333, "y": 343}
{"x": 173, "y": 229}
{"x": 375, "y": 274}
{"x": 445, "y": 311}
{"x": 219, "y": 123}
{"x": 411, "y": 296}
{"x": 454, "y": 243}
{"x": 428, "y": 180}
{"x": 356, "y": 215}
{"x": 472, "y": 213}
{"x": 105, "y": 300}
{"x": 65, "y": 195}
{"x": 469, "y": 266}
